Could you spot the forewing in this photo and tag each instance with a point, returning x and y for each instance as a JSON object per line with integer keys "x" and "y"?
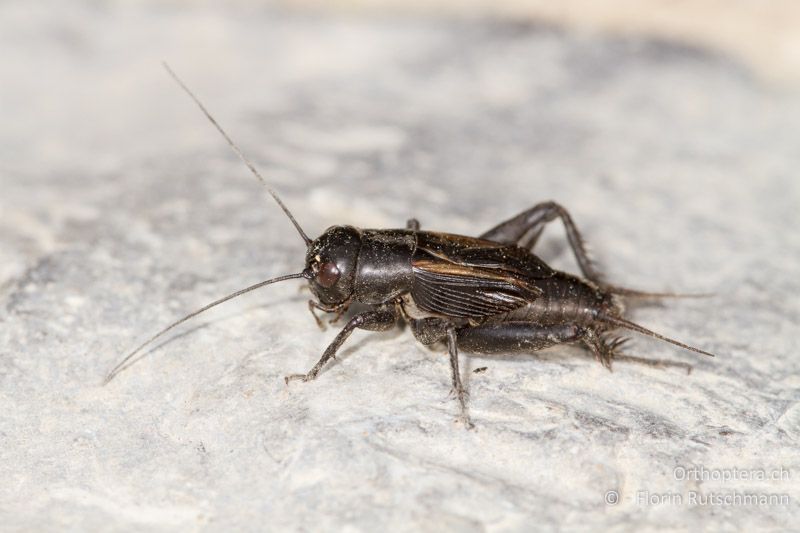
{"x": 465, "y": 291}
{"x": 472, "y": 252}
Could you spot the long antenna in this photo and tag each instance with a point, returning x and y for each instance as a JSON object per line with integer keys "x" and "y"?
{"x": 122, "y": 364}
{"x": 238, "y": 152}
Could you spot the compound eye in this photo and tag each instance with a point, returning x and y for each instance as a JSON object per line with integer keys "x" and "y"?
{"x": 328, "y": 275}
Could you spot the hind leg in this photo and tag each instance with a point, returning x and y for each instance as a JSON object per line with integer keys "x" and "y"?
{"x": 525, "y": 337}
{"x": 525, "y": 229}
{"x": 603, "y": 349}
{"x": 607, "y": 350}
{"x": 658, "y": 363}
{"x": 516, "y": 337}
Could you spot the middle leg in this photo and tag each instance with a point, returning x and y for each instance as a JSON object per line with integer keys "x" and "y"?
{"x": 458, "y": 388}
{"x": 431, "y": 330}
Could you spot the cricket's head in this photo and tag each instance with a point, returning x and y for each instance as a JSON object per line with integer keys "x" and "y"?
{"x": 331, "y": 264}
{"x": 330, "y": 260}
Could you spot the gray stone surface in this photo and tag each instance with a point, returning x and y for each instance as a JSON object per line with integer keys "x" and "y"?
{"x": 122, "y": 209}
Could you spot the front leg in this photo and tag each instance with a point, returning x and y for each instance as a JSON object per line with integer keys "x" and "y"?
{"x": 379, "y": 320}
{"x": 313, "y": 304}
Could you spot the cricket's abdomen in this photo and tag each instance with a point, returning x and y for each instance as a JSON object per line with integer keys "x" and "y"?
{"x": 565, "y": 299}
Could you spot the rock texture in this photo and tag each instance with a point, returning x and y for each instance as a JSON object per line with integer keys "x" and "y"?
{"x": 122, "y": 209}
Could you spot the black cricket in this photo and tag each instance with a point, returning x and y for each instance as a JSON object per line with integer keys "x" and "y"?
{"x": 486, "y": 294}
